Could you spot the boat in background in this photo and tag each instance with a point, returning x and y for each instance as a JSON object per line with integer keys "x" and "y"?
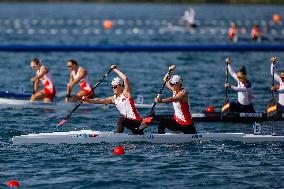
{"x": 89, "y": 136}
{"x": 9, "y": 94}
{"x": 16, "y": 103}
{"x": 230, "y": 117}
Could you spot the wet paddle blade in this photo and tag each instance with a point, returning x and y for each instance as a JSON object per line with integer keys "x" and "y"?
{"x": 61, "y": 122}
{"x": 143, "y": 126}
{"x": 225, "y": 108}
{"x": 271, "y": 109}
{"x": 147, "y": 120}
{"x": 145, "y": 123}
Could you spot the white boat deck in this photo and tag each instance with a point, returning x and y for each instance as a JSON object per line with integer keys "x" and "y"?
{"x": 89, "y": 136}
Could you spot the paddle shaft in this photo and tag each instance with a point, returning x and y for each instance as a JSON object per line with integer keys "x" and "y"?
{"x": 273, "y": 72}
{"x": 169, "y": 72}
{"x": 227, "y": 80}
{"x": 158, "y": 95}
{"x": 78, "y": 105}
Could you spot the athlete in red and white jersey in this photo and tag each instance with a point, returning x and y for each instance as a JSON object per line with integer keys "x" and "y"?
{"x": 43, "y": 75}
{"x": 279, "y": 88}
{"x": 123, "y": 101}
{"x": 182, "y": 120}
{"x": 78, "y": 75}
{"x": 256, "y": 33}
{"x": 233, "y": 32}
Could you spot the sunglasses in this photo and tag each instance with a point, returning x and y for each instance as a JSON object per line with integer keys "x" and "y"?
{"x": 33, "y": 66}
{"x": 239, "y": 77}
{"x": 69, "y": 66}
{"x": 114, "y": 86}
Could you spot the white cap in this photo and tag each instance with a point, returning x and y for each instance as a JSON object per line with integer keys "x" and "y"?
{"x": 116, "y": 81}
{"x": 176, "y": 79}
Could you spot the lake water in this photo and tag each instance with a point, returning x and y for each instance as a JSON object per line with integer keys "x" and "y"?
{"x": 196, "y": 165}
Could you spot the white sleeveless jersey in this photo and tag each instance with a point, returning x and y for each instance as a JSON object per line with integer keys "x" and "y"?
{"x": 182, "y": 112}
{"x": 84, "y": 82}
{"x": 46, "y": 80}
{"x": 76, "y": 75}
{"x": 126, "y": 107}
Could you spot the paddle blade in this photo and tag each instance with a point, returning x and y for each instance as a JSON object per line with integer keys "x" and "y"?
{"x": 225, "y": 107}
{"x": 271, "y": 109}
{"x": 143, "y": 126}
{"x": 61, "y": 122}
{"x": 147, "y": 120}
{"x": 145, "y": 123}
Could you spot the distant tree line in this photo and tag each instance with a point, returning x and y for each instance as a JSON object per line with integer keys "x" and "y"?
{"x": 158, "y": 1}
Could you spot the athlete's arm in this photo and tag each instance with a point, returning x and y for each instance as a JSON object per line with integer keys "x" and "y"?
{"x": 69, "y": 87}
{"x": 42, "y": 72}
{"x": 36, "y": 84}
{"x": 108, "y": 100}
{"x": 239, "y": 89}
{"x": 82, "y": 74}
{"x": 276, "y": 76}
{"x": 232, "y": 72}
{"x": 180, "y": 97}
{"x": 127, "y": 87}
{"x": 246, "y": 86}
{"x": 166, "y": 79}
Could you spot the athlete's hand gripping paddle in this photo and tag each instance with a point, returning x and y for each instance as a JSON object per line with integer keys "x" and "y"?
{"x": 82, "y": 100}
{"x": 226, "y": 104}
{"x": 149, "y": 118}
{"x": 271, "y": 108}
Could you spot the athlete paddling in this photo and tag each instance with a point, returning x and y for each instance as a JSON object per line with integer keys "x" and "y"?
{"x": 181, "y": 120}
{"x": 279, "y": 88}
{"x": 43, "y": 75}
{"x": 78, "y": 75}
{"x": 244, "y": 90}
{"x": 123, "y": 101}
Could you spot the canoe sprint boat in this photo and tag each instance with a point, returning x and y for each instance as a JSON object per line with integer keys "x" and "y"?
{"x": 89, "y": 136}
{"x": 16, "y": 103}
{"x": 230, "y": 117}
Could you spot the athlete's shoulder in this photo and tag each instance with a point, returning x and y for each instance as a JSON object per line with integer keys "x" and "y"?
{"x": 247, "y": 84}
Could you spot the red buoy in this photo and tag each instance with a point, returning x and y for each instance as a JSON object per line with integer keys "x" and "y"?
{"x": 210, "y": 109}
{"x": 118, "y": 150}
{"x": 13, "y": 183}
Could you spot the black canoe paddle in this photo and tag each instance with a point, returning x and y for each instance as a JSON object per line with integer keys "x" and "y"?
{"x": 82, "y": 100}
{"x": 271, "y": 108}
{"x": 226, "y": 105}
{"x": 149, "y": 118}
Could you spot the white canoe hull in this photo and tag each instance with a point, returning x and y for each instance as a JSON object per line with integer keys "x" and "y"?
{"x": 89, "y": 136}
{"x": 15, "y": 103}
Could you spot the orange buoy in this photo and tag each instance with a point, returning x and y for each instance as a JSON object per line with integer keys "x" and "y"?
{"x": 107, "y": 24}
{"x": 276, "y": 18}
{"x": 210, "y": 109}
{"x": 13, "y": 183}
{"x": 118, "y": 150}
